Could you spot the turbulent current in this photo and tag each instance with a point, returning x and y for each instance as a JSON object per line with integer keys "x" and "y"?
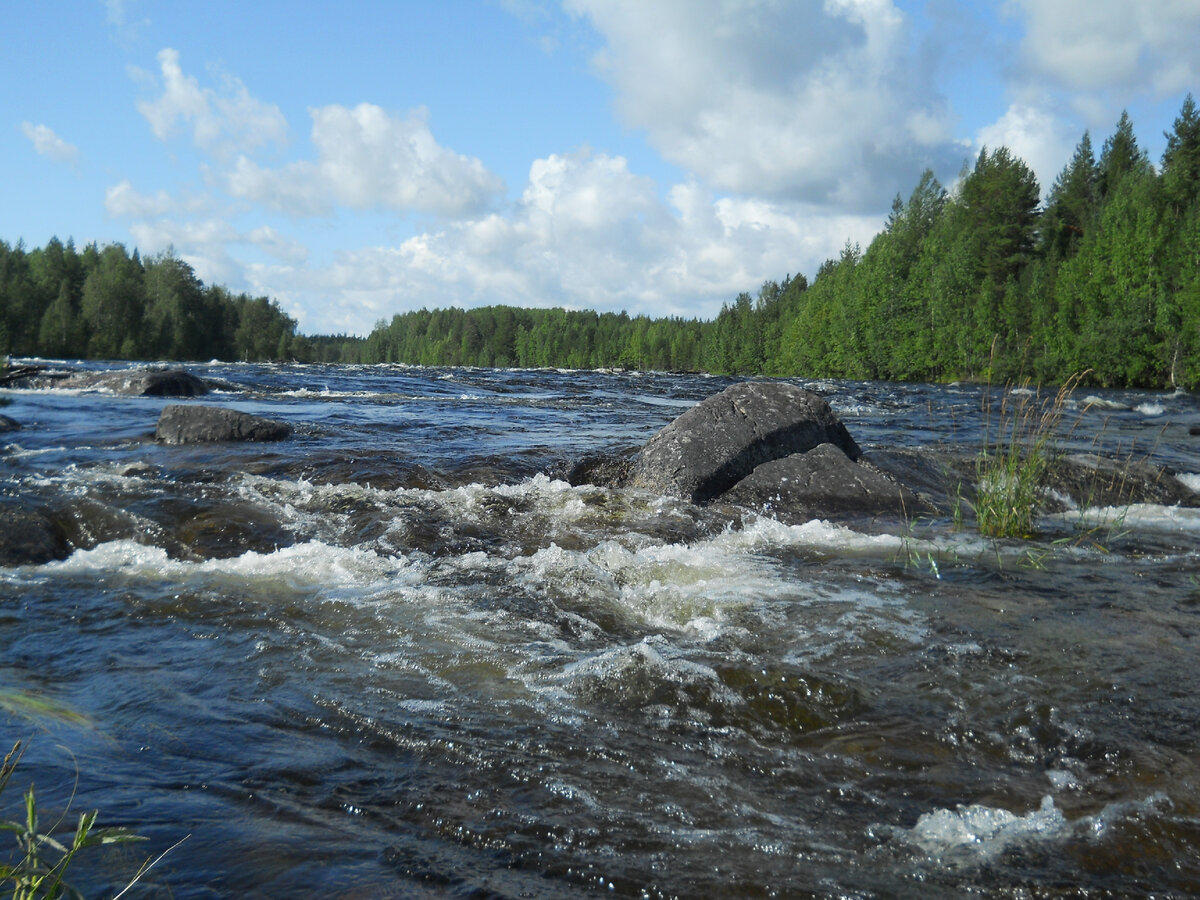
{"x": 398, "y": 655}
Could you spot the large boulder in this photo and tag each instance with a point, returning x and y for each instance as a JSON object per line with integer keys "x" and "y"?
{"x": 823, "y": 482}
{"x": 144, "y": 382}
{"x": 194, "y": 423}
{"x": 721, "y": 440}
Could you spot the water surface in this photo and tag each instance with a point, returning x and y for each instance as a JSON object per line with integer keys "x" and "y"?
{"x": 399, "y": 656}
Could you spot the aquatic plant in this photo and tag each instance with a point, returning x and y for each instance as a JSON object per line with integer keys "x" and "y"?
{"x": 1012, "y": 465}
{"x": 37, "y": 867}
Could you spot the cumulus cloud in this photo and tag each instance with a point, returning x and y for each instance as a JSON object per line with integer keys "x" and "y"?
{"x": 1102, "y": 45}
{"x": 811, "y": 101}
{"x": 586, "y": 232}
{"x": 222, "y": 122}
{"x": 122, "y": 200}
{"x": 366, "y": 159}
{"x": 213, "y": 248}
{"x": 1033, "y": 133}
{"x": 49, "y": 144}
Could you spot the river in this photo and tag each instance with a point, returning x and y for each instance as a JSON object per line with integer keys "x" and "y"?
{"x": 398, "y": 655}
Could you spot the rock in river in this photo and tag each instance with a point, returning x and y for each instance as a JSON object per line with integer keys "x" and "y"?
{"x": 823, "y": 482}
{"x": 193, "y": 424}
{"x": 30, "y": 537}
{"x": 721, "y": 440}
{"x": 143, "y": 382}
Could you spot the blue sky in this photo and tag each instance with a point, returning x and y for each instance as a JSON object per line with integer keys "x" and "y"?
{"x": 361, "y": 159}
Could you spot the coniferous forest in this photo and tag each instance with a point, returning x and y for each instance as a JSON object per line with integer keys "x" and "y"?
{"x": 983, "y": 280}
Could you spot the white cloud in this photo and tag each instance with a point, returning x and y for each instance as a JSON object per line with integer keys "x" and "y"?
{"x": 223, "y": 122}
{"x": 123, "y": 200}
{"x": 1033, "y": 133}
{"x": 120, "y": 17}
{"x": 213, "y": 247}
{"x": 813, "y": 101}
{"x": 204, "y": 245}
{"x": 49, "y": 144}
{"x": 586, "y": 232}
{"x": 1128, "y": 46}
{"x": 368, "y": 159}
{"x": 277, "y": 245}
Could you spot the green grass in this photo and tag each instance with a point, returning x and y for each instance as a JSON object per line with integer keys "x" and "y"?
{"x": 36, "y": 868}
{"x": 1012, "y": 466}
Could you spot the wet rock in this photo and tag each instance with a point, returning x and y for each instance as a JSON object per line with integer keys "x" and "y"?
{"x": 947, "y": 478}
{"x": 721, "y": 440}
{"x": 823, "y": 482}
{"x": 22, "y": 375}
{"x": 30, "y": 537}
{"x": 602, "y": 470}
{"x": 193, "y": 424}
{"x": 142, "y": 382}
{"x": 940, "y": 479}
{"x": 228, "y": 529}
{"x": 1093, "y": 481}
{"x": 8, "y": 423}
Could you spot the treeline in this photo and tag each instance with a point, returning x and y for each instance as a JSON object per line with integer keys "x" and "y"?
{"x": 981, "y": 281}
{"x": 736, "y": 342}
{"x": 106, "y": 303}
{"x": 984, "y": 281}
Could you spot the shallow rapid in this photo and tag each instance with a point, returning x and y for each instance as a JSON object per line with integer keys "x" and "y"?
{"x": 398, "y": 655}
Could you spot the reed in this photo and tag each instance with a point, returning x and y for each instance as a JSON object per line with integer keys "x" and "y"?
{"x": 36, "y": 869}
{"x": 1012, "y": 465}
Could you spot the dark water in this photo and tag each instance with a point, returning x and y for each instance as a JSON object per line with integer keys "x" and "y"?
{"x": 398, "y": 656}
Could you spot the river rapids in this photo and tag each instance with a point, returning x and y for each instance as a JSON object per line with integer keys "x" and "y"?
{"x": 398, "y": 655}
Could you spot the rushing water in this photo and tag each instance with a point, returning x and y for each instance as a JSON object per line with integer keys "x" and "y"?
{"x": 399, "y": 656}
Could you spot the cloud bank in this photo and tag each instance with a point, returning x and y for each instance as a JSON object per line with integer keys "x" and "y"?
{"x": 793, "y": 124}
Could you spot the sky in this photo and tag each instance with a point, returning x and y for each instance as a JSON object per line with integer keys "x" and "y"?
{"x": 357, "y": 160}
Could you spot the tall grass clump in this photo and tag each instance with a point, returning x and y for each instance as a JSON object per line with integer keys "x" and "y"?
{"x": 1012, "y": 466}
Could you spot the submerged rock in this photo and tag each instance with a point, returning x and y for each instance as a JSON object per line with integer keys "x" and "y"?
{"x": 721, "y": 440}
{"x": 602, "y": 470}
{"x": 7, "y": 423}
{"x": 193, "y": 424}
{"x": 30, "y": 537}
{"x": 142, "y": 382}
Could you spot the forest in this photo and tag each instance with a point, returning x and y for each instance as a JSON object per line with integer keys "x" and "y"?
{"x": 107, "y": 303}
{"x": 982, "y": 280}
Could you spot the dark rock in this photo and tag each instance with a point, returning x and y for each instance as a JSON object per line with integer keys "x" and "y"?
{"x": 947, "y": 478}
{"x": 192, "y": 424}
{"x": 20, "y": 374}
{"x": 142, "y": 382}
{"x": 1194, "y": 430}
{"x": 30, "y": 537}
{"x": 1094, "y": 481}
{"x": 8, "y": 424}
{"x": 823, "y": 482}
{"x": 721, "y": 440}
{"x": 602, "y": 470}
{"x": 940, "y": 478}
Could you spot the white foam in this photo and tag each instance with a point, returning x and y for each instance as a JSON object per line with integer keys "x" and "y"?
{"x": 1100, "y": 403}
{"x": 983, "y": 831}
{"x": 1150, "y": 409}
{"x": 308, "y": 567}
{"x": 1190, "y": 480}
{"x": 1140, "y": 516}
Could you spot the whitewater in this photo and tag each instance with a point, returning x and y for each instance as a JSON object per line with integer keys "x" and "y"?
{"x": 401, "y": 655}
